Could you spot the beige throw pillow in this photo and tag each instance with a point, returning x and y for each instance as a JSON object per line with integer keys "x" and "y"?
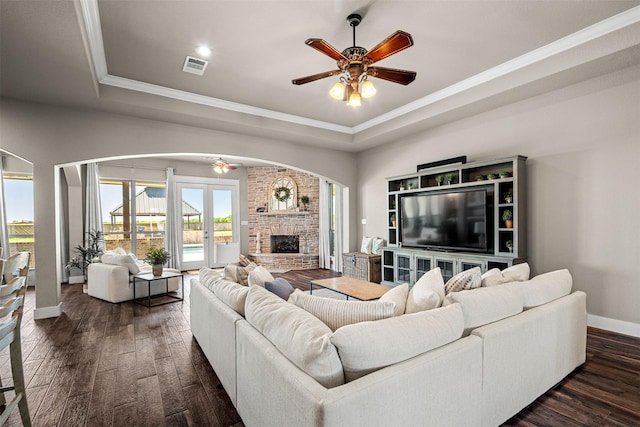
{"x": 517, "y": 273}
{"x": 492, "y": 277}
{"x": 258, "y": 276}
{"x": 336, "y": 313}
{"x": 300, "y": 336}
{"x": 209, "y": 277}
{"x": 231, "y": 293}
{"x": 468, "y": 279}
{"x": 369, "y": 346}
{"x": 427, "y": 293}
{"x": 397, "y": 295}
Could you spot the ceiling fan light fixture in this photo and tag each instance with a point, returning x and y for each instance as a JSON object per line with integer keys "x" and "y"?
{"x": 220, "y": 166}
{"x": 354, "y": 100}
{"x": 337, "y": 91}
{"x": 367, "y": 90}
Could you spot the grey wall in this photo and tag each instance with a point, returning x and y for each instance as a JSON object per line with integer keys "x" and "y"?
{"x": 583, "y": 145}
{"x": 50, "y": 136}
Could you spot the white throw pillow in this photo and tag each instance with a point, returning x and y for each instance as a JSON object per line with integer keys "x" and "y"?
{"x": 397, "y": 295}
{"x": 336, "y": 313}
{"x": 123, "y": 260}
{"x": 119, "y": 251}
{"x": 546, "y": 287}
{"x": 365, "y": 247}
{"x": 468, "y": 279}
{"x": 492, "y": 277}
{"x": 427, "y": 293}
{"x": 517, "y": 273}
{"x": 301, "y": 337}
{"x": 369, "y": 346}
{"x": 258, "y": 276}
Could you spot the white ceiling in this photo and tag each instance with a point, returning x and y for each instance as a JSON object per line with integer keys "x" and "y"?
{"x": 127, "y": 56}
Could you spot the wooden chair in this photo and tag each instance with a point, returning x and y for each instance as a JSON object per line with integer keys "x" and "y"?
{"x": 13, "y": 294}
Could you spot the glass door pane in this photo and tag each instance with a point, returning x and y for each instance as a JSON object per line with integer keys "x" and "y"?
{"x": 193, "y": 229}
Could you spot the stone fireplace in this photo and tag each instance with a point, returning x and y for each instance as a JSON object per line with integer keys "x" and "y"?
{"x": 285, "y": 244}
{"x": 286, "y": 238}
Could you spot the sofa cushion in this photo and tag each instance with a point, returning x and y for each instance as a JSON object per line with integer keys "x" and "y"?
{"x": 123, "y": 260}
{"x": 397, "y": 295}
{"x": 231, "y": 293}
{"x": 336, "y": 313}
{"x": 280, "y": 287}
{"x": 209, "y": 277}
{"x": 258, "y": 276}
{"x": 299, "y": 336}
{"x": 468, "y": 279}
{"x": 517, "y": 273}
{"x": 546, "y": 287}
{"x": 427, "y": 293}
{"x": 369, "y": 346}
{"x": 486, "y": 305}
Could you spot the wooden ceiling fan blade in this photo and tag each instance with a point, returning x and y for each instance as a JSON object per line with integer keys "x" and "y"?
{"x": 326, "y": 48}
{"x": 404, "y": 77}
{"x": 303, "y": 80}
{"x": 393, "y": 44}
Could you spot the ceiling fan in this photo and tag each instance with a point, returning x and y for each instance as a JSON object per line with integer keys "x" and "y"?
{"x": 222, "y": 166}
{"x": 354, "y": 65}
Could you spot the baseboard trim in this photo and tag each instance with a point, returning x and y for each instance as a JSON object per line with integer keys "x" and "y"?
{"x": 614, "y": 325}
{"x": 46, "y": 312}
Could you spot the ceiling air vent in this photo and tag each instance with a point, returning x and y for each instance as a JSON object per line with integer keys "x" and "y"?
{"x": 194, "y": 65}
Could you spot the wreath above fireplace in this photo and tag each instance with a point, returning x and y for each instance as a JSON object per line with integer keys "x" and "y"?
{"x": 282, "y": 194}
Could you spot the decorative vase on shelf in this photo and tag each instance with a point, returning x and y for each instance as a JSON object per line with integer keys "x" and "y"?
{"x": 508, "y": 223}
{"x": 157, "y": 269}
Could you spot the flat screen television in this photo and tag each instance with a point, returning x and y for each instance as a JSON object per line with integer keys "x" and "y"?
{"x": 451, "y": 220}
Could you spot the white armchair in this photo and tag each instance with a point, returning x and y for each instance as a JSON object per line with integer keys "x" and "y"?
{"x": 114, "y": 283}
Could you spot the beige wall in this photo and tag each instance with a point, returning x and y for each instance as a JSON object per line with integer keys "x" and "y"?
{"x": 51, "y": 136}
{"x": 583, "y": 145}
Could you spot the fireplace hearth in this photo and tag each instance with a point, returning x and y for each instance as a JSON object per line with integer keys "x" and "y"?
{"x": 285, "y": 243}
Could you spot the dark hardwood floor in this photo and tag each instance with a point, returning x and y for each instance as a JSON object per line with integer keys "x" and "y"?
{"x": 103, "y": 364}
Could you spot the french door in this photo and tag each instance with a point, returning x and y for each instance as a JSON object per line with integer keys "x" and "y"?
{"x": 209, "y": 236}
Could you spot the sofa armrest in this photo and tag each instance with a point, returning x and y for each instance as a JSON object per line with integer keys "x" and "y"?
{"x": 108, "y": 282}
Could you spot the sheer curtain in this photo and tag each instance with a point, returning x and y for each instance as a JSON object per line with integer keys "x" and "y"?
{"x": 4, "y": 229}
{"x": 173, "y": 221}
{"x": 324, "y": 245}
{"x": 326, "y": 210}
{"x": 93, "y": 206}
{"x": 339, "y": 237}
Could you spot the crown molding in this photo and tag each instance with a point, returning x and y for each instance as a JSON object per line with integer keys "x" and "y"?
{"x": 600, "y": 29}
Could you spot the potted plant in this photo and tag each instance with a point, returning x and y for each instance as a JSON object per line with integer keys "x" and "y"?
{"x": 439, "y": 179}
{"x": 508, "y": 196}
{"x": 392, "y": 218}
{"x": 86, "y": 254}
{"x": 479, "y": 178}
{"x": 157, "y": 257}
{"x": 509, "y": 245}
{"x": 507, "y": 217}
{"x": 449, "y": 178}
{"x": 305, "y": 201}
{"x": 504, "y": 174}
{"x": 492, "y": 176}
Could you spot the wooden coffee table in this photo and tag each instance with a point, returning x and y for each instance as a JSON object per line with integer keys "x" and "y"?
{"x": 350, "y": 287}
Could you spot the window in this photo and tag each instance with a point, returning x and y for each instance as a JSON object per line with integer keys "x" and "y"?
{"x": 18, "y": 192}
{"x": 133, "y": 215}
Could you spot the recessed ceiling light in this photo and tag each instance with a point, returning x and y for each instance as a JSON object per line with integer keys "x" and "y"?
{"x": 203, "y": 50}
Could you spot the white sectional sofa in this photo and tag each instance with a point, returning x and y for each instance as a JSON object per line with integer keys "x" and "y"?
{"x": 489, "y": 353}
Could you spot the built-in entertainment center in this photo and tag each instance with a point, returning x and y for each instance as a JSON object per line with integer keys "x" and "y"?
{"x": 455, "y": 216}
